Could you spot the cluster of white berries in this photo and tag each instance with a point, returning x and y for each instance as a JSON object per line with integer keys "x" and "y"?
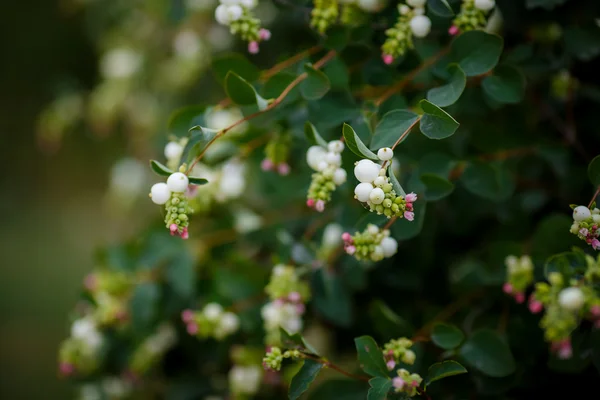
{"x": 411, "y": 22}
{"x": 172, "y": 196}
{"x": 86, "y": 330}
{"x": 244, "y": 380}
{"x": 376, "y": 190}
{"x": 212, "y": 321}
{"x": 237, "y": 15}
{"x": 585, "y": 225}
{"x": 420, "y": 24}
{"x": 327, "y": 162}
{"x": 372, "y": 244}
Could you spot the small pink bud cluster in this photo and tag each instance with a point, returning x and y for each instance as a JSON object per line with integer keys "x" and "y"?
{"x": 595, "y": 315}
{"x": 282, "y": 169}
{"x": 562, "y": 348}
{"x": 388, "y": 59}
{"x": 187, "y": 316}
{"x": 293, "y": 298}
{"x": 66, "y": 369}
{"x": 176, "y": 231}
{"x": 535, "y": 306}
{"x": 318, "y": 205}
{"x": 348, "y": 243}
{"x": 453, "y": 31}
{"x": 519, "y": 296}
{"x": 409, "y": 213}
{"x": 263, "y": 35}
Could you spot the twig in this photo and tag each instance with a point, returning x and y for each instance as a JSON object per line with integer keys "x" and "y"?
{"x": 594, "y": 198}
{"x": 289, "y": 62}
{"x": 334, "y": 367}
{"x": 406, "y": 132}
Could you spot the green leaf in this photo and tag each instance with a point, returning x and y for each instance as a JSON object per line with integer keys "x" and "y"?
{"x": 337, "y": 73}
{"x": 380, "y": 387}
{"x": 436, "y": 187}
{"x": 296, "y": 341}
{"x": 395, "y": 184}
{"x": 302, "y": 380}
{"x": 237, "y": 63}
{"x": 446, "y": 336}
{"x": 448, "y": 94}
{"x": 183, "y": 119}
{"x": 436, "y": 123}
{"x": 370, "y": 357}
{"x": 143, "y": 306}
{"x": 476, "y": 52}
{"x": 356, "y": 145}
{"x": 340, "y": 389}
{"x": 331, "y": 297}
{"x": 443, "y": 370}
{"x": 160, "y": 169}
{"x": 316, "y": 84}
{"x": 312, "y": 135}
{"x": 387, "y": 322}
{"x": 583, "y": 42}
{"x": 197, "y": 142}
{"x": 243, "y": 93}
{"x": 487, "y": 352}
{"x": 506, "y": 85}
{"x": 180, "y": 275}
{"x": 594, "y": 171}
{"x": 440, "y": 8}
{"x": 337, "y": 38}
{"x": 277, "y": 84}
{"x": 391, "y": 127}
{"x": 194, "y": 180}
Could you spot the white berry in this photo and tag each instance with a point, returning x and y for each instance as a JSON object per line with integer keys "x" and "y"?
{"x": 250, "y": 4}
{"x": 581, "y": 213}
{"x": 366, "y": 171}
{"x": 336, "y": 146}
{"x": 229, "y": 322}
{"x": 340, "y": 176}
{"x": 403, "y": 9}
{"x": 385, "y": 154}
{"x": 389, "y": 246}
{"x": 377, "y": 196}
{"x": 420, "y": 25}
{"x": 571, "y": 298}
{"x": 323, "y": 165}
{"x": 212, "y": 311}
{"x": 160, "y": 193}
{"x": 416, "y": 3}
{"x": 378, "y": 253}
{"x": 380, "y": 181}
{"x": 362, "y": 191}
{"x": 173, "y": 151}
{"x": 178, "y": 182}
{"x": 222, "y": 15}
{"x": 419, "y": 11}
{"x": 373, "y": 229}
{"x": 235, "y": 12}
{"x": 371, "y": 5}
{"x": 596, "y": 218}
{"x": 314, "y": 156}
{"x": 334, "y": 158}
{"x": 485, "y": 5}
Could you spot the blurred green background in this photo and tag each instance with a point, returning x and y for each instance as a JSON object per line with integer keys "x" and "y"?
{"x": 53, "y": 217}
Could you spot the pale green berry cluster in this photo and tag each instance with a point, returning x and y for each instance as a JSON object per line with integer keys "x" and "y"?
{"x": 274, "y": 357}
{"x": 470, "y": 17}
{"x": 352, "y": 14}
{"x": 211, "y": 322}
{"x": 392, "y": 205}
{"x": 247, "y": 27}
{"x": 285, "y": 282}
{"x": 177, "y": 210}
{"x": 79, "y": 354}
{"x": 398, "y": 350}
{"x": 519, "y": 273}
{"x": 324, "y": 14}
{"x": 399, "y": 38}
{"x": 406, "y": 382}
{"x": 110, "y": 291}
{"x": 373, "y": 244}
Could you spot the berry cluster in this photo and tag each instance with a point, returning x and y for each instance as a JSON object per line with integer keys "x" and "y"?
{"x": 277, "y": 152}
{"x": 212, "y": 321}
{"x": 327, "y": 162}
{"x": 172, "y": 195}
{"x": 519, "y": 275}
{"x": 411, "y": 22}
{"x": 585, "y": 225}
{"x": 372, "y": 244}
{"x": 79, "y": 353}
{"x": 472, "y": 15}
{"x": 376, "y": 190}
{"x": 406, "y": 382}
{"x": 237, "y": 14}
{"x": 398, "y": 350}
{"x": 274, "y": 357}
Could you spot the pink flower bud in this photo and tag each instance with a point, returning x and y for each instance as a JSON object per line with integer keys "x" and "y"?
{"x": 520, "y": 297}
{"x": 346, "y": 237}
{"x": 192, "y": 328}
{"x": 453, "y": 30}
{"x": 253, "y": 48}
{"x": 398, "y": 382}
{"x": 173, "y": 228}
{"x": 320, "y": 206}
{"x": 90, "y": 282}
{"x": 350, "y": 249}
{"x": 411, "y": 197}
{"x": 414, "y": 383}
{"x": 300, "y": 309}
{"x": 409, "y": 215}
{"x": 595, "y": 310}
{"x": 278, "y": 302}
{"x": 409, "y": 207}
{"x": 264, "y": 34}
{"x": 283, "y": 169}
{"x": 507, "y": 288}
{"x": 535, "y": 306}
{"x": 191, "y": 191}
{"x": 583, "y": 232}
{"x": 595, "y": 244}
{"x": 390, "y": 364}
{"x": 187, "y": 316}
{"x": 565, "y": 351}
{"x": 387, "y": 59}
{"x": 294, "y": 297}
{"x": 310, "y": 203}
{"x": 66, "y": 368}
{"x": 266, "y": 165}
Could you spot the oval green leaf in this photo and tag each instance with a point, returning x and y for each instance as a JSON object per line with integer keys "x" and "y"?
{"x": 440, "y": 8}
{"x": 436, "y": 187}
{"x": 476, "y": 52}
{"x": 436, "y": 123}
{"x": 448, "y": 94}
{"x": 312, "y": 135}
{"x": 199, "y": 139}
{"x": 391, "y": 127}
{"x": 296, "y": 341}
{"x": 160, "y": 169}
{"x": 594, "y": 171}
{"x": 446, "y": 336}
{"x": 506, "y": 85}
{"x": 180, "y": 121}
{"x": 237, "y": 63}
{"x": 380, "y": 387}
{"x": 356, "y": 145}
{"x": 370, "y": 357}
{"x": 443, "y": 370}
{"x": 197, "y": 181}
{"x": 486, "y": 351}
{"x": 302, "y": 380}
{"x": 241, "y": 92}
{"x": 316, "y": 84}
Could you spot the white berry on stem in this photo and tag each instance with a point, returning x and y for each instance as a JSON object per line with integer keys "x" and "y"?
{"x": 160, "y": 193}
{"x": 178, "y": 182}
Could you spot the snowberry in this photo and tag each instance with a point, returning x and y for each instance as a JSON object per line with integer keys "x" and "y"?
{"x": 416, "y": 3}
{"x": 377, "y": 196}
{"x": 336, "y": 146}
{"x": 378, "y": 253}
{"x": 373, "y": 229}
{"x": 362, "y": 191}
{"x": 339, "y": 176}
{"x": 571, "y": 298}
{"x": 385, "y": 154}
{"x": 371, "y": 5}
{"x": 581, "y": 213}
{"x": 334, "y": 158}
{"x": 419, "y": 11}
{"x": 160, "y": 193}
{"x": 173, "y": 151}
{"x": 403, "y": 9}
{"x": 366, "y": 171}
{"x": 485, "y": 5}
{"x": 229, "y": 322}
{"x": 596, "y": 218}
{"x": 178, "y": 182}
{"x": 250, "y": 4}
{"x": 420, "y": 25}
{"x": 235, "y": 12}
{"x": 380, "y": 181}
{"x": 212, "y": 311}
{"x": 389, "y": 246}
{"x": 221, "y": 15}
{"x": 323, "y": 165}
{"x": 314, "y": 156}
